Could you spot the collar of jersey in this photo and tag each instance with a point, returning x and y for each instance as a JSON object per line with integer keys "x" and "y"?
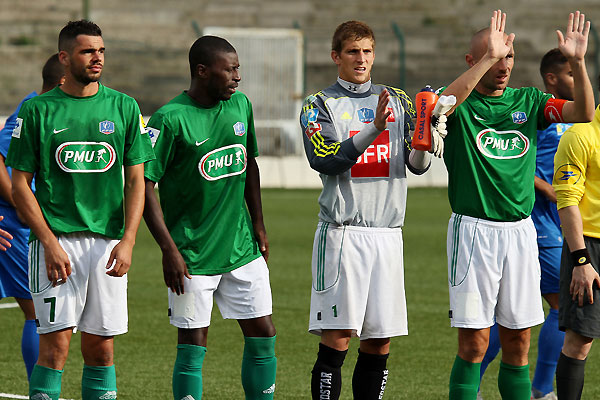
{"x": 62, "y": 93}
{"x": 358, "y": 88}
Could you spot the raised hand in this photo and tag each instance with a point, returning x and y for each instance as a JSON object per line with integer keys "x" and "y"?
{"x": 382, "y": 113}
{"x": 573, "y": 44}
{"x": 498, "y": 45}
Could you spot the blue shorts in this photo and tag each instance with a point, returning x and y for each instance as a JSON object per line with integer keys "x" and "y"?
{"x": 550, "y": 265}
{"x": 13, "y": 261}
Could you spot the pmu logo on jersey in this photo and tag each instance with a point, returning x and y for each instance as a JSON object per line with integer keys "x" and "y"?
{"x": 519, "y": 117}
{"x": 239, "y": 128}
{"x": 107, "y": 127}
{"x": 375, "y": 161}
{"x": 223, "y": 162}
{"x": 567, "y": 174}
{"x": 85, "y": 156}
{"x": 366, "y": 115}
{"x": 502, "y": 144}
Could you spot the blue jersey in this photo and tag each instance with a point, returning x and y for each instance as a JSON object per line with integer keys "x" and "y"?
{"x": 545, "y": 214}
{"x": 6, "y": 134}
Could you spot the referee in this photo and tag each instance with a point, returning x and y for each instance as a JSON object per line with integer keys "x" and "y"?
{"x": 577, "y": 184}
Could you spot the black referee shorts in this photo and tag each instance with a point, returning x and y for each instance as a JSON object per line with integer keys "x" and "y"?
{"x": 583, "y": 320}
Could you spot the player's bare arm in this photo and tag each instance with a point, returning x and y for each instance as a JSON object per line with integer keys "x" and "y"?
{"x": 544, "y": 188}
{"x": 499, "y": 45}
{"x": 573, "y": 45}
{"x": 174, "y": 267}
{"x": 58, "y": 266}
{"x": 120, "y": 256}
{"x": 584, "y": 276}
{"x": 254, "y": 203}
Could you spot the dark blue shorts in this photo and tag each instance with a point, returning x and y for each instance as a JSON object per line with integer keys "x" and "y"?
{"x": 13, "y": 261}
{"x": 550, "y": 266}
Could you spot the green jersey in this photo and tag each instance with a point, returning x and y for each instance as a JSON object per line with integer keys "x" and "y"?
{"x": 490, "y": 153}
{"x": 77, "y": 147}
{"x": 200, "y": 167}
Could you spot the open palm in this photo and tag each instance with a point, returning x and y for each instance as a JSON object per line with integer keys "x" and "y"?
{"x": 573, "y": 44}
{"x": 499, "y": 45}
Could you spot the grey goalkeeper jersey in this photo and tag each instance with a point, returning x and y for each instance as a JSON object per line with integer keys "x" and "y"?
{"x": 367, "y": 189}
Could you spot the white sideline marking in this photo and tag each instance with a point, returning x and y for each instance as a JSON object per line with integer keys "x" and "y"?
{"x": 18, "y": 396}
{"x": 9, "y": 305}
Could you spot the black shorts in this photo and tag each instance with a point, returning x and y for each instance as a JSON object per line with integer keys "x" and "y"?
{"x": 583, "y": 320}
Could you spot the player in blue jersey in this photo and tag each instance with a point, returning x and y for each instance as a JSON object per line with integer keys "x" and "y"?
{"x": 558, "y": 81}
{"x": 13, "y": 263}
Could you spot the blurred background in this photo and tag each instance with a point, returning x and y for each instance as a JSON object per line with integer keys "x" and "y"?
{"x": 284, "y": 48}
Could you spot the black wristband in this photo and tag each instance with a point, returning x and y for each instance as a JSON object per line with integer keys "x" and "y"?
{"x": 580, "y": 257}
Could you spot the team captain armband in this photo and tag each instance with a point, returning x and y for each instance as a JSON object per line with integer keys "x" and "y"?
{"x": 553, "y": 110}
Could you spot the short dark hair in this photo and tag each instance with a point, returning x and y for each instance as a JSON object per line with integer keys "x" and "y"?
{"x": 52, "y": 72}
{"x": 205, "y": 48}
{"x": 351, "y": 30}
{"x": 69, "y": 33}
{"x": 551, "y": 62}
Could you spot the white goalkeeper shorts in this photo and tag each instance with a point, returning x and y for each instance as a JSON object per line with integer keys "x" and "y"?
{"x": 243, "y": 293}
{"x": 493, "y": 271}
{"x": 358, "y": 281}
{"x": 89, "y": 300}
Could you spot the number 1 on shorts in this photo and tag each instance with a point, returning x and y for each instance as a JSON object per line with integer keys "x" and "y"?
{"x": 334, "y": 308}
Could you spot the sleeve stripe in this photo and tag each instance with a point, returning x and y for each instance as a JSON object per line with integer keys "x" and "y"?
{"x": 322, "y": 149}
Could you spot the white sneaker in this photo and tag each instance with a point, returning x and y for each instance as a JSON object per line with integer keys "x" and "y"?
{"x": 549, "y": 396}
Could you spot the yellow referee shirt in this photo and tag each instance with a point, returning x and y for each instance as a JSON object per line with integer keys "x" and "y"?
{"x": 577, "y": 173}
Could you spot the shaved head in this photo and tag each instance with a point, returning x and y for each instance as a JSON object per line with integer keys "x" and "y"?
{"x": 495, "y": 80}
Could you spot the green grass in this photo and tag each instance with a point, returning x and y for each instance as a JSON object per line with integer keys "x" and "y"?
{"x": 419, "y": 364}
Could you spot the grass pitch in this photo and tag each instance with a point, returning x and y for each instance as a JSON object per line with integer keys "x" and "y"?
{"x": 419, "y": 364}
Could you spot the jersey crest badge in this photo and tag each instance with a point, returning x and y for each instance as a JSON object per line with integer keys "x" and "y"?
{"x": 107, "y": 127}
{"x": 519, "y": 117}
{"x": 366, "y": 115}
{"x": 16, "y": 133}
{"x": 239, "y": 128}
{"x": 567, "y": 174}
{"x": 346, "y": 115}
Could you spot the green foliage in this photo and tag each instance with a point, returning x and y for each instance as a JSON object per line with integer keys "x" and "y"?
{"x": 22, "y": 40}
{"x": 419, "y": 364}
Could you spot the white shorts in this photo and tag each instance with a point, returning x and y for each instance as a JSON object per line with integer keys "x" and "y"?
{"x": 493, "y": 270}
{"x": 358, "y": 281}
{"x": 90, "y": 300}
{"x": 243, "y": 293}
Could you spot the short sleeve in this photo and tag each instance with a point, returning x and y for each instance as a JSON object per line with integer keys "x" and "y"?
{"x": 23, "y": 153}
{"x": 163, "y": 139}
{"x": 138, "y": 148}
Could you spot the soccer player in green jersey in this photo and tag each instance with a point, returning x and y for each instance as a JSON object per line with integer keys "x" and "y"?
{"x": 209, "y": 222}
{"x": 493, "y": 268}
{"x": 76, "y": 139}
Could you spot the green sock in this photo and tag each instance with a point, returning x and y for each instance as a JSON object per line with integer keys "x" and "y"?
{"x": 464, "y": 380}
{"x": 514, "y": 382}
{"x": 98, "y": 383}
{"x": 44, "y": 382}
{"x": 259, "y": 366}
{"x": 187, "y": 372}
